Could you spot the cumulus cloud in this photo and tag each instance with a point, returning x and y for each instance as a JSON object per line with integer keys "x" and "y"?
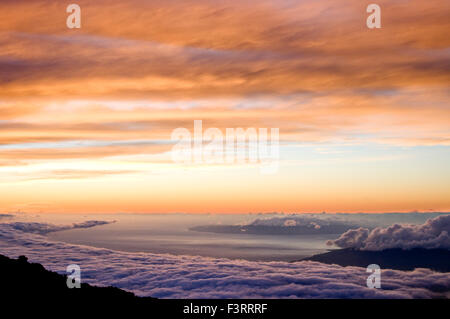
{"x": 320, "y": 223}
{"x": 290, "y": 224}
{"x": 168, "y": 276}
{"x": 308, "y": 220}
{"x": 434, "y": 233}
{"x": 44, "y": 228}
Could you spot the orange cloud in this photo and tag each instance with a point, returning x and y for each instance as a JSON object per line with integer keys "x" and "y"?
{"x": 155, "y": 49}
{"x": 137, "y": 70}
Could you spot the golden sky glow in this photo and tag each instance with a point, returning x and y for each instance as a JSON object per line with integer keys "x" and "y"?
{"x": 86, "y": 114}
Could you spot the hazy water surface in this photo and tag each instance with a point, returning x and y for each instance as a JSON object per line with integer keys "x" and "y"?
{"x": 169, "y": 233}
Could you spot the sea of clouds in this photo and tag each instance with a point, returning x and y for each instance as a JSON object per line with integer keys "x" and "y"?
{"x": 45, "y": 228}
{"x": 169, "y": 276}
{"x": 434, "y": 233}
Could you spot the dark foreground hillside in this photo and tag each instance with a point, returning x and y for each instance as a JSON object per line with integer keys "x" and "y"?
{"x": 30, "y": 282}
{"x": 435, "y": 259}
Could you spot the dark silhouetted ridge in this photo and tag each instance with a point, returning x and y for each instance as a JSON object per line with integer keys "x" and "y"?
{"x": 31, "y": 282}
{"x": 435, "y": 259}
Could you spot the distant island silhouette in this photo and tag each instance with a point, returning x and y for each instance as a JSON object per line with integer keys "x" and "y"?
{"x": 273, "y": 229}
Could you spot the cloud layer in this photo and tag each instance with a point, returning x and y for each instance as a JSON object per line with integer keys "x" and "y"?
{"x": 168, "y": 276}
{"x": 315, "y": 60}
{"x": 44, "y": 228}
{"x": 97, "y": 105}
{"x": 434, "y": 233}
{"x": 309, "y": 220}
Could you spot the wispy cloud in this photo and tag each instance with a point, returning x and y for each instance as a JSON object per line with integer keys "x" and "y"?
{"x": 137, "y": 70}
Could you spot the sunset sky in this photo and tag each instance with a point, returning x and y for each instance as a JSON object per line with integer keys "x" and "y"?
{"x": 86, "y": 115}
